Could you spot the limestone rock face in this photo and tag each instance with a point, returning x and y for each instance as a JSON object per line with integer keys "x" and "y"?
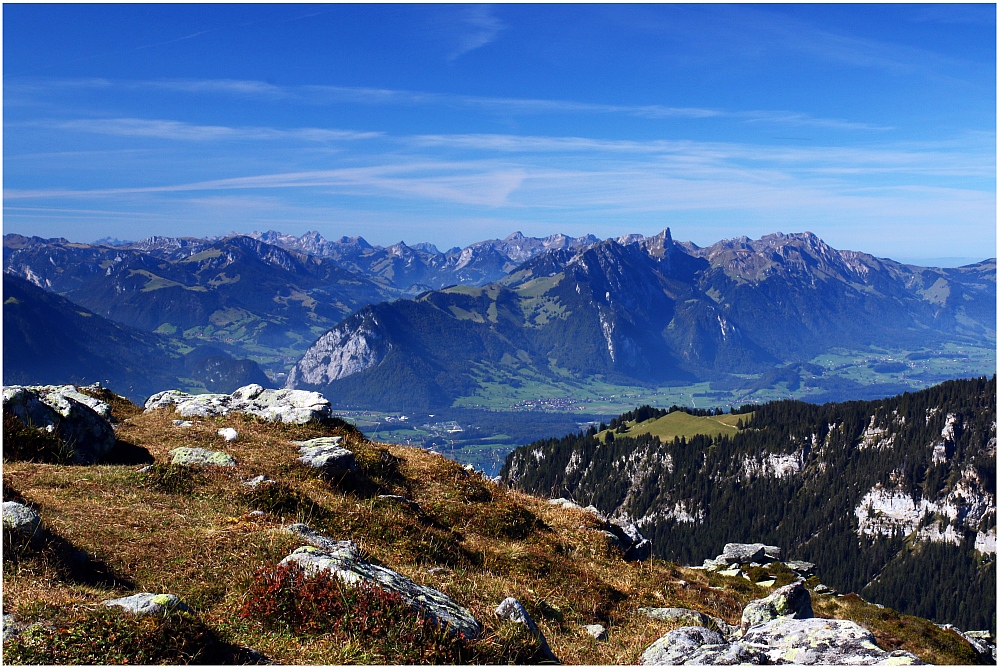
{"x": 823, "y": 641}
{"x": 325, "y": 454}
{"x": 288, "y": 406}
{"x": 351, "y": 347}
{"x": 345, "y": 564}
{"x": 21, "y": 520}
{"x": 200, "y": 457}
{"x": 792, "y": 601}
{"x": 80, "y": 421}
{"x": 511, "y": 609}
{"x": 147, "y": 603}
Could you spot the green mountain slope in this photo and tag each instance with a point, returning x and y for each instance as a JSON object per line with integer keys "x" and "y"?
{"x": 49, "y": 340}
{"x": 896, "y": 497}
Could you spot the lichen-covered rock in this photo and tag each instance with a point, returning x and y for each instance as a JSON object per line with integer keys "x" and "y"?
{"x": 288, "y": 406}
{"x": 20, "y": 520}
{"x": 80, "y": 421}
{"x": 689, "y": 617}
{"x": 325, "y": 543}
{"x": 324, "y": 454}
{"x": 678, "y": 645}
{"x": 792, "y": 601}
{"x": 596, "y": 631}
{"x": 148, "y": 603}
{"x": 345, "y": 564}
{"x": 511, "y": 609}
{"x": 200, "y": 457}
{"x": 822, "y": 641}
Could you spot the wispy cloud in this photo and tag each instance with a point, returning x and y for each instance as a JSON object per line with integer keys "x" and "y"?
{"x": 330, "y": 95}
{"x": 178, "y": 130}
{"x": 478, "y": 26}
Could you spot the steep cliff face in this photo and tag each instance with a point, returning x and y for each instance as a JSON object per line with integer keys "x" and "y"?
{"x": 883, "y": 493}
{"x": 357, "y": 344}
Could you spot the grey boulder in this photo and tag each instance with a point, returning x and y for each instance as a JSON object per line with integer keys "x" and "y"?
{"x": 20, "y": 520}
{"x": 326, "y": 455}
{"x": 512, "y": 610}
{"x": 345, "y": 564}
{"x": 147, "y": 603}
{"x": 678, "y": 645}
{"x": 78, "y": 420}
{"x": 823, "y": 641}
{"x": 596, "y": 631}
{"x": 791, "y": 601}
{"x": 288, "y": 406}
{"x": 746, "y": 553}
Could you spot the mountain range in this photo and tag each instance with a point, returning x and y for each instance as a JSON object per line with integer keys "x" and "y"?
{"x": 410, "y": 327}
{"x": 647, "y": 310}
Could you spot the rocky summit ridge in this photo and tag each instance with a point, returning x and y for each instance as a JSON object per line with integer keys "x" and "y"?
{"x": 298, "y": 540}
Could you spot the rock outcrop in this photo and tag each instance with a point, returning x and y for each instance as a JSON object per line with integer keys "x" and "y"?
{"x": 626, "y": 536}
{"x": 325, "y": 454}
{"x": 824, "y": 642}
{"x": 512, "y": 610}
{"x": 346, "y": 564}
{"x": 288, "y": 406}
{"x": 78, "y": 420}
{"x": 791, "y": 601}
{"x": 148, "y": 603}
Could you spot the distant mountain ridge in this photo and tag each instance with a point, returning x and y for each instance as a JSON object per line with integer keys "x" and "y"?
{"x": 647, "y": 309}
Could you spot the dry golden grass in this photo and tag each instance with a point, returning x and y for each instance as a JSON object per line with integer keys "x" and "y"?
{"x": 195, "y": 536}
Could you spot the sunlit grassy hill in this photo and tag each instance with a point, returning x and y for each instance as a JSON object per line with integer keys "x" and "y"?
{"x": 205, "y": 536}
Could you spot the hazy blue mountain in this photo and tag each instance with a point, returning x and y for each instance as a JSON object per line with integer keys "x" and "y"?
{"x": 47, "y": 339}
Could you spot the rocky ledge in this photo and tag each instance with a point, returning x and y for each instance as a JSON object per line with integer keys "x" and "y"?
{"x": 288, "y": 406}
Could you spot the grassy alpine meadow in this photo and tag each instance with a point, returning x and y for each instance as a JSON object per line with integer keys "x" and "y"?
{"x": 140, "y": 524}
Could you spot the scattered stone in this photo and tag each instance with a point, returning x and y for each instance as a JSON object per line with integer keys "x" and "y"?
{"x": 79, "y": 420}
{"x": 596, "y": 631}
{"x": 200, "y": 457}
{"x": 438, "y": 570}
{"x": 21, "y": 520}
{"x": 345, "y": 564}
{"x": 675, "y": 647}
{"x": 254, "y": 483}
{"x": 822, "y": 641}
{"x": 511, "y": 609}
{"x": 288, "y": 406}
{"x": 144, "y": 469}
{"x": 634, "y": 545}
{"x": 147, "y": 603}
{"x": 823, "y": 590}
{"x": 731, "y": 572}
{"x": 183, "y": 423}
{"x": 10, "y": 627}
{"x": 565, "y": 503}
{"x": 767, "y": 583}
{"x": 316, "y": 539}
{"x": 324, "y": 454}
{"x": 804, "y": 568}
{"x": 791, "y": 601}
{"x": 229, "y": 434}
{"x": 257, "y": 513}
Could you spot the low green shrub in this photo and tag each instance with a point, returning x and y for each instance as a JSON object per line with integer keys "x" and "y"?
{"x": 108, "y": 636}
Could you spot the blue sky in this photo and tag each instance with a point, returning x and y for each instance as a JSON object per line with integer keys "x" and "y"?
{"x": 871, "y": 125}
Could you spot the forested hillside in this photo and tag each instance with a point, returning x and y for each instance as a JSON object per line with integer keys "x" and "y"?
{"x": 893, "y": 499}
